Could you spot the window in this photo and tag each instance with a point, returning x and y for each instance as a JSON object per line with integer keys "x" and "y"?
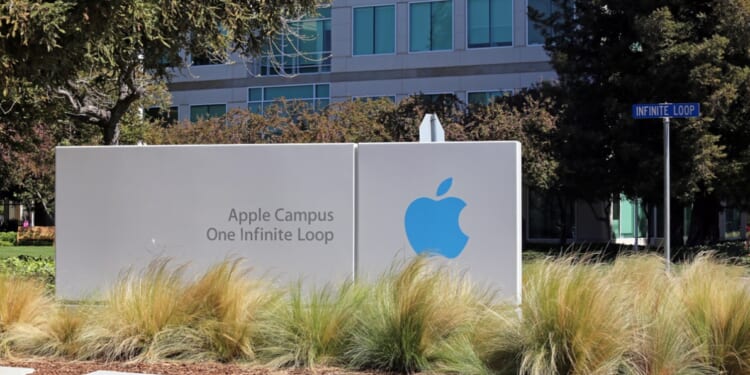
{"x": 390, "y": 98}
{"x": 316, "y": 96}
{"x": 207, "y": 111}
{"x": 490, "y": 23}
{"x": 306, "y": 48}
{"x": 487, "y": 97}
{"x": 431, "y": 26}
{"x": 625, "y": 219}
{"x": 546, "y": 7}
{"x": 374, "y": 30}
{"x": 167, "y": 117}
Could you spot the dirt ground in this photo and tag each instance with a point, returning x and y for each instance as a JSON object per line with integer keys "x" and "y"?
{"x": 60, "y": 367}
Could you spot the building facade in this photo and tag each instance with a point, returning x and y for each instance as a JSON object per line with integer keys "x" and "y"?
{"x": 474, "y": 49}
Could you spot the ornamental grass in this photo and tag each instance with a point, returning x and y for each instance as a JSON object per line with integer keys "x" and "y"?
{"x": 577, "y": 316}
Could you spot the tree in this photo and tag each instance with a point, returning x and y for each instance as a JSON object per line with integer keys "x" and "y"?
{"x": 100, "y": 57}
{"x": 611, "y": 54}
{"x": 27, "y": 164}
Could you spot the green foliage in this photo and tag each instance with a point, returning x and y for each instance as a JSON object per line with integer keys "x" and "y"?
{"x": 533, "y": 123}
{"x": 7, "y": 238}
{"x": 98, "y": 59}
{"x": 611, "y": 54}
{"x": 32, "y": 251}
{"x": 41, "y": 269}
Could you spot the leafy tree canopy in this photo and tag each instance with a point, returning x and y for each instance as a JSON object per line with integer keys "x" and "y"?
{"x": 610, "y": 54}
{"x": 101, "y": 56}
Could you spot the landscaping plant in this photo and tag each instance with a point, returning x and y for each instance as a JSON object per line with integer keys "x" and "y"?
{"x": 414, "y": 319}
{"x": 310, "y": 326}
{"x": 579, "y": 315}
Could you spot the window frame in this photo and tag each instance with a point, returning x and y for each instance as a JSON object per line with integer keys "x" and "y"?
{"x": 392, "y": 98}
{"x": 453, "y": 27}
{"x": 528, "y": 24}
{"x": 263, "y": 102}
{"x": 262, "y": 65}
{"x": 512, "y": 27}
{"x": 395, "y": 30}
{"x": 190, "y": 113}
{"x": 509, "y": 91}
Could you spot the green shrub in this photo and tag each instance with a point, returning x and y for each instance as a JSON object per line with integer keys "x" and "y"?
{"x": 38, "y": 268}
{"x": 7, "y": 238}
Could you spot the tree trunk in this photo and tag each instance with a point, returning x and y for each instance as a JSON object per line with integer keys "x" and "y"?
{"x": 704, "y": 226}
{"x": 111, "y": 133}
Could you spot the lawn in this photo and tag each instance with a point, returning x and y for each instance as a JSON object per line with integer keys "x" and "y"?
{"x": 37, "y": 251}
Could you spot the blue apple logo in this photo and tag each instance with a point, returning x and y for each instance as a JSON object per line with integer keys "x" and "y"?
{"x": 432, "y": 225}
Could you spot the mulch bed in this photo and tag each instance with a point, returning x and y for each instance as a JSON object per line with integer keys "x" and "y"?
{"x": 62, "y": 367}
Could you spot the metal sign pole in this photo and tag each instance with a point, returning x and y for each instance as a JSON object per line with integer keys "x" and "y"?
{"x": 665, "y": 111}
{"x": 667, "y": 228}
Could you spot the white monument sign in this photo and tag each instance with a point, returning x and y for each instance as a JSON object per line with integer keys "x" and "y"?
{"x": 457, "y": 201}
{"x": 287, "y": 209}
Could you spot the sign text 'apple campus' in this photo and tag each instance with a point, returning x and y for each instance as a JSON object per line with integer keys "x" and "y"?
{"x": 273, "y": 225}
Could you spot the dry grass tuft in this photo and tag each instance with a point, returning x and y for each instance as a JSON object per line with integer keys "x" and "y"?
{"x": 716, "y": 299}
{"x": 411, "y": 316}
{"x": 309, "y": 328}
{"x": 574, "y": 320}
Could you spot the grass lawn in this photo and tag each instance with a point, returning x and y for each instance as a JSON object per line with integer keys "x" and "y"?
{"x": 37, "y": 251}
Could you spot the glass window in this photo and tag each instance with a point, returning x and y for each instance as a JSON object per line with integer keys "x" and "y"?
{"x": 167, "y": 117}
{"x": 374, "y": 30}
{"x": 625, "y": 219}
{"x": 490, "y": 23}
{"x": 317, "y": 96}
{"x": 207, "y": 111}
{"x": 431, "y": 26}
{"x": 305, "y": 48}
{"x": 487, "y": 97}
{"x": 390, "y": 98}
{"x": 546, "y": 7}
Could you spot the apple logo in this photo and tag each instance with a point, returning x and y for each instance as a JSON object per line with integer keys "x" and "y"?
{"x": 432, "y": 225}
